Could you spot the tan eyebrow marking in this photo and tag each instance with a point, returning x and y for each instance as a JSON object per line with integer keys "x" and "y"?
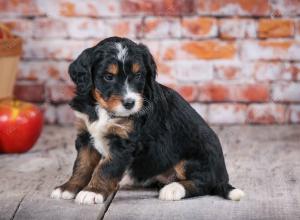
{"x": 136, "y": 68}
{"x": 113, "y": 69}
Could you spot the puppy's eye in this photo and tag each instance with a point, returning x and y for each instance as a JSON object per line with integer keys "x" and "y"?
{"x": 108, "y": 77}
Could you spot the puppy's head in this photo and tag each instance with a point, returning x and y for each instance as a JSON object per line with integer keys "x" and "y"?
{"x": 117, "y": 73}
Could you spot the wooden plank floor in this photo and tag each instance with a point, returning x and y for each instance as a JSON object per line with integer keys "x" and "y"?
{"x": 262, "y": 160}
{"x": 28, "y": 179}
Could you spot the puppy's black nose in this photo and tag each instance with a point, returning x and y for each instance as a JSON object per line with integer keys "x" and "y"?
{"x": 128, "y": 103}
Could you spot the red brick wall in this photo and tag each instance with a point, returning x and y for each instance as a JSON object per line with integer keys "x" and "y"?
{"x": 237, "y": 61}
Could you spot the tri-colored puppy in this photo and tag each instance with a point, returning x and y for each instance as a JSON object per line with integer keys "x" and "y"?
{"x": 133, "y": 130}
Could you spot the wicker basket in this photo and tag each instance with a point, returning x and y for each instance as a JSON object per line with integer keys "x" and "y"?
{"x": 10, "y": 51}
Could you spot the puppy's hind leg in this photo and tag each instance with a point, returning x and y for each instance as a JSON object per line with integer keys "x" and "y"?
{"x": 193, "y": 179}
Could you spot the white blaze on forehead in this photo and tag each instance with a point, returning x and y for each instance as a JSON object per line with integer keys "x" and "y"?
{"x": 129, "y": 93}
{"x": 122, "y": 52}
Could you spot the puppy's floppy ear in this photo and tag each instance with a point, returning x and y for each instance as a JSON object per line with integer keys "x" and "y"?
{"x": 150, "y": 64}
{"x": 80, "y": 72}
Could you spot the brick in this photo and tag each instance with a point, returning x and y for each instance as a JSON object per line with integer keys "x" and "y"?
{"x": 275, "y": 28}
{"x": 199, "y": 27}
{"x": 252, "y": 92}
{"x": 60, "y": 49}
{"x": 154, "y": 7}
{"x": 43, "y": 71}
{"x": 49, "y": 28}
{"x": 272, "y": 71}
{"x": 227, "y": 113}
{"x": 233, "y": 7}
{"x": 216, "y": 92}
{"x": 125, "y": 27}
{"x": 133, "y": 7}
{"x": 237, "y": 28}
{"x": 19, "y": 8}
{"x": 155, "y": 47}
{"x": 19, "y": 27}
{"x": 267, "y": 114}
{"x": 228, "y": 71}
{"x": 60, "y": 92}
{"x": 188, "y": 92}
{"x": 169, "y": 50}
{"x": 286, "y": 92}
{"x": 65, "y": 115}
{"x": 210, "y": 49}
{"x": 298, "y": 29}
{"x": 29, "y": 91}
{"x": 160, "y": 27}
{"x": 285, "y": 7}
{"x": 294, "y": 113}
{"x": 296, "y": 71}
{"x": 166, "y": 79}
{"x": 75, "y": 8}
{"x": 201, "y": 109}
{"x": 164, "y": 70}
{"x": 271, "y": 50}
{"x": 193, "y": 71}
{"x": 164, "y": 67}
{"x": 82, "y": 28}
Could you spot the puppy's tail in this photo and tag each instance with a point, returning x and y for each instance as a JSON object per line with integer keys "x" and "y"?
{"x": 227, "y": 191}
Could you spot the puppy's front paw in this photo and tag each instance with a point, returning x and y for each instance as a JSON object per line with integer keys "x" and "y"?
{"x": 58, "y": 193}
{"x": 172, "y": 191}
{"x": 88, "y": 197}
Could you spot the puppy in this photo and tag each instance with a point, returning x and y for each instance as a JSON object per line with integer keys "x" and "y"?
{"x": 133, "y": 130}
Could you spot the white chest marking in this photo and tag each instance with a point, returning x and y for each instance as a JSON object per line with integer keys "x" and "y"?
{"x": 98, "y": 129}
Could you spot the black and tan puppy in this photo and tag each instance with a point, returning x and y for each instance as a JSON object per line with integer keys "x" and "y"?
{"x": 133, "y": 130}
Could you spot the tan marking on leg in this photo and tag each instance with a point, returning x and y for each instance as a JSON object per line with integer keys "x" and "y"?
{"x": 180, "y": 170}
{"x": 84, "y": 165}
{"x": 174, "y": 174}
{"x": 100, "y": 184}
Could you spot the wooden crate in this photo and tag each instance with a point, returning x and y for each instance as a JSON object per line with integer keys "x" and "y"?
{"x": 10, "y": 51}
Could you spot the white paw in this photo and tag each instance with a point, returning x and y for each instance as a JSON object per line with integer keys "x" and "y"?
{"x": 87, "y": 197}
{"x": 59, "y": 194}
{"x": 56, "y": 194}
{"x": 67, "y": 195}
{"x": 172, "y": 191}
{"x": 236, "y": 194}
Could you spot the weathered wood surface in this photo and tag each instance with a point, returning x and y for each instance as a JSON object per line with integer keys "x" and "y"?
{"x": 39, "y": 206}
{"x": 262, "y": 160}
{"x": 27, "y": 180}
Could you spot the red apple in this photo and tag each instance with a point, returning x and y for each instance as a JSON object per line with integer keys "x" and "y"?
{"x": 20, "y": 125}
